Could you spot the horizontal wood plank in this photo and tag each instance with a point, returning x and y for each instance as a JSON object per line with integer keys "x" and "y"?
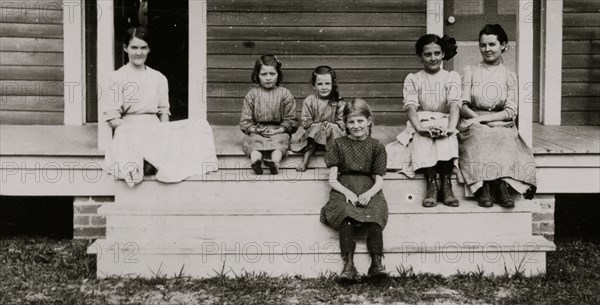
{"x": 306, "y": 61}
{"x": 31, "y": 73}
{"x": 580, "y": 75}
{"x": 31, "y": 118}
{"x": 580, "y": 19}
{"x": 581, "y": 61}
{"x": 299, "y": 19}
{"x": 303, "y": 76}
{"x": 580, "y": 118}
{"x": 581, "y": 6}
{"x": 581, "y": 33}
{"x": 37, "y": 4}
{"x": 335, "y": 6}
{"x": 581, "y": 89}
{"x": 31, "y": 59}
{"x": 235, "y": 104}
{"x": 315, "y": 33}
{"x": 32, "y": 103}
{"x": 581, "y": 47}
{"x": 381, "y": 118}
{"x": 257, "y": 48}
{"x": 240, "y": 90}
{"x": 31, "y": 44}
{"x": 580, "y": 103}
{"x": 31, "y": 15}
{"x": 31, "y": 88}
{"x": 31, "y": 30}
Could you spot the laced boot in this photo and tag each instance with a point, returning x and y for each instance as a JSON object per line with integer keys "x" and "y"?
{"x": 483, "y": 196}
{"x": 430, "y": 199}
{"x": 349, "y": 272}
{"x": 447, "y": 194}
{"x": 376, "y": 270}
{"x": 503, "y": 196}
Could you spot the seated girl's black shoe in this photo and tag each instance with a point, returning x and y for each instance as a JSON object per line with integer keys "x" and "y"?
{"x": 376, "y": 270}
{"x": 483, "y": 196}
{"x": 349, "y": 272}
{"x": 273, "y": 167}
{"x": 503, "y": 196}
{"x": 257, "y": 167}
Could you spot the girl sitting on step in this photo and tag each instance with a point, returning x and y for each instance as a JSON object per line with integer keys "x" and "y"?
{"x": 268, "y": 116}
{"x": 322, "y": 116}
{"x": 432, "y": 99}
{"x": 357, "y": 164}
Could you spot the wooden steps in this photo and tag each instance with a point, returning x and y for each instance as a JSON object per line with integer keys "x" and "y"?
{"x": 234, "y": 221}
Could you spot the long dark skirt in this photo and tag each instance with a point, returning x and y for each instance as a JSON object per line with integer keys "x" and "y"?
{"x": 337, "y": 209}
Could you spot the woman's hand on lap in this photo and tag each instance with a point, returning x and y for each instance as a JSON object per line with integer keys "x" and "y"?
{"x": 364, "y": 198}
{"x": 351, "y": 198}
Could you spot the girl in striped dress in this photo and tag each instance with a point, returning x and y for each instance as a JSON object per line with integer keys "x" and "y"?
{"x": 268, "y": 116}
{"x": 322, "y": 116}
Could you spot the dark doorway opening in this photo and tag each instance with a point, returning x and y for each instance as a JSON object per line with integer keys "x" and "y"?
{"x": 36, "y": 216}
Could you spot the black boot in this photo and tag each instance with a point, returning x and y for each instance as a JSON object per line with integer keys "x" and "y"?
{"x": 503, "y": 196}
{"x": 430, "y": 199}
{"x": 483, "y": 196}
{"x": 447, "y": 194}
{"x": 376, "y": 270}
{"x": 349, "y": 272}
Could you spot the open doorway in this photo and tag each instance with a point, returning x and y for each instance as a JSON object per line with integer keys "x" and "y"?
{"x": 167, "y": 22}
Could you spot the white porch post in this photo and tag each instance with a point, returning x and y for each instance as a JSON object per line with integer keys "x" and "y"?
{"x": 106, "y": 62}
{"x": 197, "y": 96}
{"x": 525, "y": 68}
{"x": 74, "y": 62}
{"x": 551, "y": 65}
{"x": 435, "y": 17}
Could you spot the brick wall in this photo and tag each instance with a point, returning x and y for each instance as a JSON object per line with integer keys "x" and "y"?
{"x": 543, "y": 218}
{"x": 87, "y": 224}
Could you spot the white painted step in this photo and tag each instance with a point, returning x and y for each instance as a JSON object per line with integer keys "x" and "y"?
{"x": 243, "y": 222}
{"x": 289, "y": 188}
{"x": 202, "y": 258}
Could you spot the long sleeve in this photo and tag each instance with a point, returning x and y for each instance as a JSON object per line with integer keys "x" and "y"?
{"x": 467, "y": 82}
{"x": 339, "y": 115}
{"x": 163, "y": 96}
{"x": 410, "y": 92}
{"x": 307, "y": 113}
{"x": 454, "y": 89}
{"x": 247, "y": 120}
{"x": 110, "y": 98}
{"x": 511, "y": 105}
{"x": 290, "y": 121}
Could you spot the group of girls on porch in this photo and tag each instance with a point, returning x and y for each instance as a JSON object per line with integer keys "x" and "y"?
{"x": 451, "y": 121}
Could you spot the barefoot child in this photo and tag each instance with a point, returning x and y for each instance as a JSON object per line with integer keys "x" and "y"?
{"x": 268, "y": 116}
{"x": 321, "y": 115}
{"x": 357, "y": 164}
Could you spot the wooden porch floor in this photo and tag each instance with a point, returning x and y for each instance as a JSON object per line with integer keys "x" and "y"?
{"x": 20, "y": 140}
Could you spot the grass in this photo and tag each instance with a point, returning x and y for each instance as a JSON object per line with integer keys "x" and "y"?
{"x": 45, "y": 271}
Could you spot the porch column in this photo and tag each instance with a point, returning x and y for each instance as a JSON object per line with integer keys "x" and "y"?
{"x": 73, "y": 62}
{"x": 106, "y": 63}
{"x": 435, "y": 17}
{"x": 197, "y": 99}
{"x": 551, "y": 62}
{"x": 525, "y": 68}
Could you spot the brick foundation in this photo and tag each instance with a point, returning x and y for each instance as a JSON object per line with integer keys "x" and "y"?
{"x": 543, "y": 218}
{"x": 87, "y": 224}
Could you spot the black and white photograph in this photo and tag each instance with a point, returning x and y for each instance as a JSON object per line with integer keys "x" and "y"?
{"x": 407, "y": 152}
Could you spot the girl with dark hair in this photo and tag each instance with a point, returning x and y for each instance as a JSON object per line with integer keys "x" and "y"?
{"x": 356, "y": 167}
{"x": 432, "y": 101}
{"x": 268, "y": 116}
{"x": 492, "y": 154}
{"x": 134, "y": 101}
{"x": 322, "y": 116}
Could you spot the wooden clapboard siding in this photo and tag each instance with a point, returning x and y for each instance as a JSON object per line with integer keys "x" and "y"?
{"x": 581, "y": 63}
{"x": 369, "y": 43}
{"x": 31, "y": 61}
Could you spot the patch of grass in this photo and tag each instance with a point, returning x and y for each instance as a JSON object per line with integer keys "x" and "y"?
{"x": 45, "y": 271}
